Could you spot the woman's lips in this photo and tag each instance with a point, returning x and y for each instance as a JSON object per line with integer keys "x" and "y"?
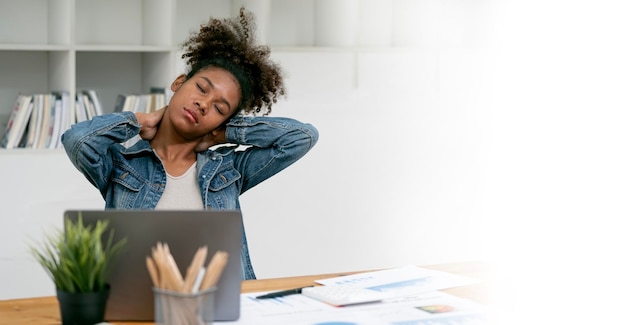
{"x": 193, "y": 115}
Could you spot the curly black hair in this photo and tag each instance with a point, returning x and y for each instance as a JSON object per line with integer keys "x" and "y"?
{"x": 229, "y": 43}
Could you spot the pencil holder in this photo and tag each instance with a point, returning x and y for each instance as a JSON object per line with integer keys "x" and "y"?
{"x": 175, "y": 308}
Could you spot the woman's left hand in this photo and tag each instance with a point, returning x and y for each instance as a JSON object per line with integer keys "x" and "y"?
{"x": 217, "y": 136}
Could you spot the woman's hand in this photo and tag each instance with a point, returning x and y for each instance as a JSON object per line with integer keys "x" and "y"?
{"x": 217, "y": 136}
{"x": 149, "y": 123}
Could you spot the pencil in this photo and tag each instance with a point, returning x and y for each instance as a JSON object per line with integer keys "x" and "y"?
{"x": 154, "y": 273}
{"x": 194, "y": 269}
{"x": 214, "y": 270}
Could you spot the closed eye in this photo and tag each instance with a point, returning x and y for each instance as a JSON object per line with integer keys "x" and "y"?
{"x": 225, "y": 110}
{"x": 201, "y": 89}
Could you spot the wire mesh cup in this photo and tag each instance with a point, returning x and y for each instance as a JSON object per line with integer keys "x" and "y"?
{"x": 176, "y": 308}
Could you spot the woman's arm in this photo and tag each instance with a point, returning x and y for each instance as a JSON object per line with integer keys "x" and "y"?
{"x": 274, "y": 144}
{"x": 87, "y": 143}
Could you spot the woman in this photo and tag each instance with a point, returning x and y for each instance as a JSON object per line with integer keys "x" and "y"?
{"x": 176, "y": 164}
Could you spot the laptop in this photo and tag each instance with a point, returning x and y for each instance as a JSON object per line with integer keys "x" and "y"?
{"x": 131, "y": 297}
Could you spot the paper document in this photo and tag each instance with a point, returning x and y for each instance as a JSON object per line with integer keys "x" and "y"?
{"x": 411, "y": 299}
{"x": 402, "y": 281}
{"x": 433, "y": 308}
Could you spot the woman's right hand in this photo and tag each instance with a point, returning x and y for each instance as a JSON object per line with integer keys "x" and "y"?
{"x": 149, "y": 123}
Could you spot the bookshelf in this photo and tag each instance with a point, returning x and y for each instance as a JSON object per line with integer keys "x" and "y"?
{"x": 113, "y": 46}
{"x": 128, "y": 46}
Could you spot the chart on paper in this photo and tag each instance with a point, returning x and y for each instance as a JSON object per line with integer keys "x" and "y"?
{"x": 401, "y": 281}
{"x": 433, "y": 308}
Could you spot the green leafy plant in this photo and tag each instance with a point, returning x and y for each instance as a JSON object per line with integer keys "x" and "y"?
{"x": 79, "y": 260}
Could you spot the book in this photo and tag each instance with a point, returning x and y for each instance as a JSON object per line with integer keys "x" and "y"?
{"x": 146, "y": 103}
{"x": 44, "y": 125}
{"x": 17, "y": 122}
{"x": 129, "y": 103}
{"x": 149, "y": 103}
{"x": 81, "y": 111}
{"x": 67, "y": 118}
{"x": 10, "y": 122}
{"x": 140, "y": 103}
{"x": 157, "y": 90}
{"x": 159, "y": 95}
{"x": 89, "y": 106}
{"x": 21, "y": 131}
{"x": 119, "y": 103}
{"x": 95, "y": 100}
{"x": 160, "y": 101}
{"x": 55, "y": 128}
{"x": 34, "y": 125}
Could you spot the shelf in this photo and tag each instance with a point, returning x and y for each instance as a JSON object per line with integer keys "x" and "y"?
{"x": 338, "y": 49}
{"x": 33, "y": 47}
{"x": 128, "y": 46}
{"x": 113, "y": 47}
{"x": 32, "y": 152}
{"x": 123, "y": 48}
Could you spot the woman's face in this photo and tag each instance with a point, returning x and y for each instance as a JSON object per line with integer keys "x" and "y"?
{"x": 203, "y": 102}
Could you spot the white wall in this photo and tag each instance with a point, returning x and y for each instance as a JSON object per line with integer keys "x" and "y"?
{"x": 398, "y": 172}
{"x": 37, "y": 186}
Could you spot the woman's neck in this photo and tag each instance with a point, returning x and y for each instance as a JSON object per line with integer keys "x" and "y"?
{"x": 176, "y": 156}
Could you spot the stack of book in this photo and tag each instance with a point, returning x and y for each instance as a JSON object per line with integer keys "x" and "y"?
{"x": 38, "y": 120}
{"x": 141, "y": 102}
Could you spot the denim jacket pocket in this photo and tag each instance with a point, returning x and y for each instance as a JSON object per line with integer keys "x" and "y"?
{"x": 224, "y": 178}
{"x": 127, "y": 188}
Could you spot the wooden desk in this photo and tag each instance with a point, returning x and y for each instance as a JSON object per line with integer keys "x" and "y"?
{"x": 45, "y": 310}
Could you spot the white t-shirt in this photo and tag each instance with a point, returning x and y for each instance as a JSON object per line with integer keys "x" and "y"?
{"x": 182, "y": 192}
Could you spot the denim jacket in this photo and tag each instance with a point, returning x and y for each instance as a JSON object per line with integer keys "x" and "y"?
{"x": 134, "y": 178}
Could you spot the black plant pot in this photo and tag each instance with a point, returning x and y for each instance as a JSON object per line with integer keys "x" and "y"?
{"x": 82, "y": 308}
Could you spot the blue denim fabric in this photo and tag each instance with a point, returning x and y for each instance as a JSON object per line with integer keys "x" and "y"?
{"x": 134, "y": 178}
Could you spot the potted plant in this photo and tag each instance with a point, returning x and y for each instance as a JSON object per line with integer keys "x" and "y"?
{"x": 79, "y": 261}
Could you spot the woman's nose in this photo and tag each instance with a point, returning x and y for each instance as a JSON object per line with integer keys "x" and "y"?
{"x": 201, "y": 107}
